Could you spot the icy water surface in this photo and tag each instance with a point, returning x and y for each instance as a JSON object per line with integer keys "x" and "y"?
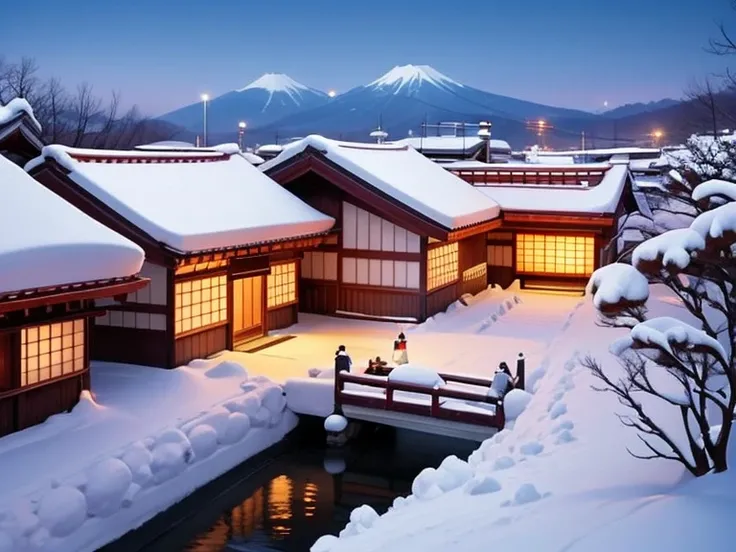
{"x": 308, "y": 491}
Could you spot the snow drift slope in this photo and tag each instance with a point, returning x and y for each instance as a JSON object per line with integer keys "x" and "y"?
{"x": 559, "y": 479}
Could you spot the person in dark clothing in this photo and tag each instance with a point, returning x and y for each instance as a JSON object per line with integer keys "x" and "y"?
{"x": 503, "y": 367}
{"x": 342, "y": 360}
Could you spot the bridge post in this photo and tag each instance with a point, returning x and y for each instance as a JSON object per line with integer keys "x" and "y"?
{"x": 338, "y": 393}
{"x": 520, "y": 372}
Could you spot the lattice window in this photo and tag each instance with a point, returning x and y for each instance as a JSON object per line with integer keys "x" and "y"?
{"x": 282, "y": 285}
{"x": 200, "y": 303}
{"x": 553, "y": 254}
{"x": 477, "y": 271}
{"x": 442, "y": 265}
{"x": 51, "y": 351}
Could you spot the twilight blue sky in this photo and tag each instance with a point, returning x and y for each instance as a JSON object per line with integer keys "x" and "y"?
{"x": 162, "y": 54}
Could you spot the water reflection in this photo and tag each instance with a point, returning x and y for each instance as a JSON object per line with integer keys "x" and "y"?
{"x": 305, "y": 494}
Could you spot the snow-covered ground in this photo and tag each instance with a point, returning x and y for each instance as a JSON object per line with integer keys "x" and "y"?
{"x": 465, "y": 339}
{"x": 146, "y": 439}
{"x": 560, "y": 477}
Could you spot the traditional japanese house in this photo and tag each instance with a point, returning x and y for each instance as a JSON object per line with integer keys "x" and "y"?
{"x": 222, "y": 241}
{"x": 55, "y": 263}
{"x": 411, "y": 235}
{"x": 446, "y": 149}
{"x": 558, "y": 222}
{"x": 20, "y": 132}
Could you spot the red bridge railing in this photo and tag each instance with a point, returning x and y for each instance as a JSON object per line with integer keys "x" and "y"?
{"x": 388, "y": 401}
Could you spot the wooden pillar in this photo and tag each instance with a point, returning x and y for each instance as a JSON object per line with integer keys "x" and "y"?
{"x": 423, "y": 243}
{"x": 520, "y": 372}
{"x": 170, "y": 318}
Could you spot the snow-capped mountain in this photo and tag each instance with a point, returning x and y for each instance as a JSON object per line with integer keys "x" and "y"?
{"x": 408, "y": 95}
{"x": 271, "y": 97}
{"x": 628, "y": 110}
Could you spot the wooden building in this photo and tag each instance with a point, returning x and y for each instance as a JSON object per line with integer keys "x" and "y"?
{"x": 447, "y": 149}
{"x": 558, "y": 222}
{"x": 55, "y": 263}
{"x": 223, "y": 244}
{"x": 20, "y": 132}
{"x": 411, "y": 236}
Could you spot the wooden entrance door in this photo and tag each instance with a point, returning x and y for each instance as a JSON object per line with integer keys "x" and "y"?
{"x": 8, "y": 379}
{"x": 247, "y": 309}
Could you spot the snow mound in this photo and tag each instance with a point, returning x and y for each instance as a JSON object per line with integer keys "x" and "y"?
{"x": 203, "y": 439}
{"x": 335, "y": 423}
{"x": 526, "y": 494}
{"x": 227, "y": 369}
{"x": 482, "y": 484}
{"x": 416, "y": 375}
{"x": 514, "y": 403}
{"x": 62, "y": 511}
{"x": 169, "y": 460}
{"x": 323, "y": 544}
{"x": 107, "y": 483}
{"x": 237, "y": 426}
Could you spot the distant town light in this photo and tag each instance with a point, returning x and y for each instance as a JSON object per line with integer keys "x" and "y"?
{"x": 205, "y": 97}
{"x": 242, "y": 125}
{"x": 541, "y": 123}
{"x": 332, "y": 93}
{"x": 657, "y": 134}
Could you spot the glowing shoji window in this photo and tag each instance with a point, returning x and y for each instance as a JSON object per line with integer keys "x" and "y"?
{"x": 442, "y": 265}
{"x": 200, "y": 303}
{"x": 51, "y": 351}
{"x": 282, "y": 285}
{"x": 551, "y": 254}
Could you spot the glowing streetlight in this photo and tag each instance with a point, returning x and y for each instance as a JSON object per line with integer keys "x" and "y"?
{"x": 657, "y": 135}
{"x": 205, "y": 99}
{"x": 332, "y": 93}
{"x": 241, "y": 131}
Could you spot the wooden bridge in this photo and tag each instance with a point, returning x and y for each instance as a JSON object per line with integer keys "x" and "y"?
{"x": 462, "y": 408}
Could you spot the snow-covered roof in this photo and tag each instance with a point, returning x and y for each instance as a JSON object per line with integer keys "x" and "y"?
{"x": 190, "y": 201}
{"x": 600, "y": 199}
{"x": 607, "y": 151}
{"x": 542, "y": 159}
{"x": 269, "y": 148}
{"x": 15, "y": 108}
{"x": 450, "y": 143}
{"x": 252, "y": 158}
{"x": 47, "y": 242}
{"x": 167, "y": 145}
{"x": 404, "y": 174}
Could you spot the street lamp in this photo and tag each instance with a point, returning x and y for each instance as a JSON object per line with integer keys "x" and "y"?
{"x": 241, "y": 131}
{"x": 657, "y": 135}
{"x": 205, "y": 99}
{"x": 332, "y": 93}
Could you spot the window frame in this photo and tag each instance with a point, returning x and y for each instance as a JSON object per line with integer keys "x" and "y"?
{"x": 273, "y": 275}
{"x": 584, "y": 243}
{"x": 53, "y": 334}
{"x": 180, "y": 307}
{"x": 435, "y": 258}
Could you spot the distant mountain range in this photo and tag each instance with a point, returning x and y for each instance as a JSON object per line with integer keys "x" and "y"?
{"x": 277, "y": 107}
{"x": 628, "y": 110}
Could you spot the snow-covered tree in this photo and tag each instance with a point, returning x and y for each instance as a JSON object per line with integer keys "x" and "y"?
{"x": 687, "y": 366}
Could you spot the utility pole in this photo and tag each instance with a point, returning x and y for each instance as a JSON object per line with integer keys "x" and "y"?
{"x": 582, "y": 141}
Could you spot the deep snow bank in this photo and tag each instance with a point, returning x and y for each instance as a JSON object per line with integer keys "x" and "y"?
{"x": 559, "y": 478}
{"x": 117, "y": 493}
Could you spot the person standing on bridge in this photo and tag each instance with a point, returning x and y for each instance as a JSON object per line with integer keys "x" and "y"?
{"x": 343, "y": 362}
{"x": 401, "y": 356}
{"x": 501, "y": 382}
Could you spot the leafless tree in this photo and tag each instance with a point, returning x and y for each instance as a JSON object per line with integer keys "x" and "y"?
{"x": 689, "y": 368}
{"x": 85, "y": 107}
